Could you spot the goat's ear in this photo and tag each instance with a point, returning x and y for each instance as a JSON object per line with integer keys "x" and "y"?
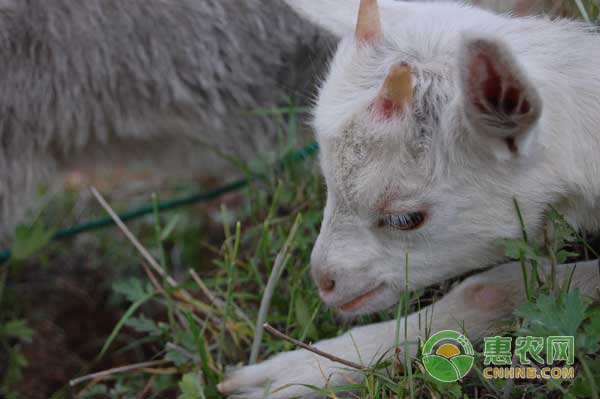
{"x": 500, "y": 103}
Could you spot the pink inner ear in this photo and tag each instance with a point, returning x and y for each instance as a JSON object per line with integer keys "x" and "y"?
{"x": 511, "y": 100}
{"x": 485, "y": 84}
{"x": 490, "y": 91}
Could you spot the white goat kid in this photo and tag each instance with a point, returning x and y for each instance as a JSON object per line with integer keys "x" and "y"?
{"x": 430, "y": 122}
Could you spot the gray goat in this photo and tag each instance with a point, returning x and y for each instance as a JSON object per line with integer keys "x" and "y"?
{"x": 97, "y": 81}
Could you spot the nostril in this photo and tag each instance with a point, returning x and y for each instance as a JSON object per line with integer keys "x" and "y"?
{"x": 327, "y": 285}
{"x": 323, "y": 277}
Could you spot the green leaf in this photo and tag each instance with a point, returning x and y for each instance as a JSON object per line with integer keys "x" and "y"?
{"x": 96, "y": 391}
{"x": 588, "y": 341}
{"x": 120, "y": 390}
{"x": 191, "y": 387}
{"x": 178, "y": 358}
{"x": 17, "y": 329}
{"x": 144, "y": 325}
{"x": 563, "y": 255}
{"x": 13, "y": 370}
{"x": 31, "y": 239}
{"x": 551, "y": 315}
{"x": 516, "y": 248}
{"x": 133, "y": 289}
{"x": 453, "y": 389}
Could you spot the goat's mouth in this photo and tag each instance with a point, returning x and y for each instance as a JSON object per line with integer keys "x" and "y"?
{"x": 360, "y": 300}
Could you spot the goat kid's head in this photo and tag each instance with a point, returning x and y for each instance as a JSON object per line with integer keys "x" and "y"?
{"x": 427, "y": 134}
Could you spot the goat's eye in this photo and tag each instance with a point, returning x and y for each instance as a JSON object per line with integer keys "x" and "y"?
{"x": 405, "y": 221}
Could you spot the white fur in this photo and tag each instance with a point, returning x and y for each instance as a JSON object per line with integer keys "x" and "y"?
{"x": 460, "y": 171}
{"x": 445, "y": 157}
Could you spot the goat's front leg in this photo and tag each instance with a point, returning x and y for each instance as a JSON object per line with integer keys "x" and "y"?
{"x": 475, "y": 304}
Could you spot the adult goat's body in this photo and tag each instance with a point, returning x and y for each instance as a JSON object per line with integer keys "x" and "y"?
{"x": 87, "y": 82}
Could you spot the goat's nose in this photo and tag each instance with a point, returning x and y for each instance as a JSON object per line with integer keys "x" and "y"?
{"x": 325, "y": 282}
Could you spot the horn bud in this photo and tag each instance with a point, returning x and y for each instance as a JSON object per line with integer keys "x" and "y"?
{"x": 397, "y": 91}
{"x": 368, "y": 25}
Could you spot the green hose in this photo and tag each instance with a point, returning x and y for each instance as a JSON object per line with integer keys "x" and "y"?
{"x": 174, "y": 203}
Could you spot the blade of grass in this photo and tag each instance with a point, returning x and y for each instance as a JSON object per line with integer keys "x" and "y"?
{"x": 157, "y": 230}
{"x": 209, "y": 376}
{"x": 266, "y": 390}
{"x": 276, "y": 271}
{"x": 528, "y": 285}
{"x": 170, "y": 227}
{"x": 583, "y": 11}
{"x": 3, "y": 274}
{"x": 408, "y": 364}
{"x": 567, "y": 284}
{"x": 163, "y": 259}
{"x": 263, "y": 250}
{"x": 130, "y": 311}
{"x": 311, "y": 322}
{"x": 230, "y": 264}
